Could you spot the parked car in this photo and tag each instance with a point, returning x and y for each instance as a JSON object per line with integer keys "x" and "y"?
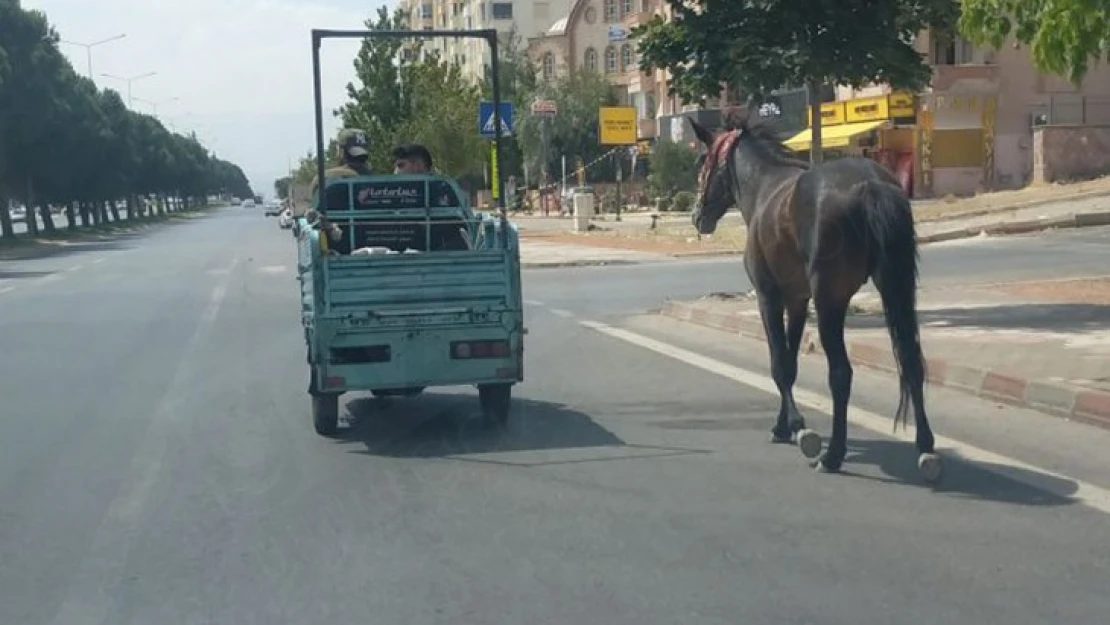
{"x": 273, "y": 209}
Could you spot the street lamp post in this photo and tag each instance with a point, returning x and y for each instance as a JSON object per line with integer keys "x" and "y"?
{"x": 89, "y": 46}
{"x": 154, "y": 105}
{"x": 129, "y": 81}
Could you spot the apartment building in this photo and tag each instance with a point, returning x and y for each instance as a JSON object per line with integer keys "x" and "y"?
{"x": 525, "y": 18}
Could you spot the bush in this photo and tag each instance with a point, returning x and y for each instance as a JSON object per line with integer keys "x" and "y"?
{"x": 683, "y": 201}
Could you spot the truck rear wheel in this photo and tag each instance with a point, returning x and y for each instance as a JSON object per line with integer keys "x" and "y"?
{"x": 496, "y": 399}
{"x": 325, "y": 414}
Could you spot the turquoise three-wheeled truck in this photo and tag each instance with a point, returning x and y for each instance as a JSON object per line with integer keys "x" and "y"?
{"x": 419, "y": 291}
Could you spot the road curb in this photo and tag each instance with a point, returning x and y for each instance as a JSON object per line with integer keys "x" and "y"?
{"x": 1075, "y": 220}
{"x": 576, "y": 263}
{"x": 1086, "y": 405}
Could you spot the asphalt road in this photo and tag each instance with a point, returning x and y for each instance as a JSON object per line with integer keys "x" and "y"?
{"x": 158, "y": 465}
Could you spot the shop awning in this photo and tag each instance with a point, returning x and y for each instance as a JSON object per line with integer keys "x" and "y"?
{"x": 839, "y": 136}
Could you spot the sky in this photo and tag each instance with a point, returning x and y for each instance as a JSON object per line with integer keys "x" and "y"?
{"x": 240, "y": 70}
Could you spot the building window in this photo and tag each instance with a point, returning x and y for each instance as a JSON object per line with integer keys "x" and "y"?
{"x": 548, "y": 66}
{"x": 502, "y": 10}
{"x": 611, "y": 12}
{"x": 626, "y": 57}
{"x": 649, "y": 106}
{"x": 426, "y": 11}
{"x": 952, "y": 51}
{"x": 626, "y": 7}
{"x": 590, "y": 60}
{"x": 610, "y": 59}
{"x": 645, "y": 5}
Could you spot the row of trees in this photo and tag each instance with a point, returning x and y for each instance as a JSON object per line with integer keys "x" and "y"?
{"x": 763, "y": 46}
{"x": 65, "y": 143}
{"x": 428, "y": 100}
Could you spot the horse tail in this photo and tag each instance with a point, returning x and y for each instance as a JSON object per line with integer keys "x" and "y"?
{"x": 893, "y": 260}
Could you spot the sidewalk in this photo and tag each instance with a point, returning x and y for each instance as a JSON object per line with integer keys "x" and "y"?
{"x": 1004, "y": 213}
{"x": 1042, "y": 345}
{"x": 538, "y": 254}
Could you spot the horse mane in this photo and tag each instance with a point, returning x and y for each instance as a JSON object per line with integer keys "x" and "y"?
{"x": 761, "y": 134}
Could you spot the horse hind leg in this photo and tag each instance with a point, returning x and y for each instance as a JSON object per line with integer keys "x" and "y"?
{"x": 831, "y": 315}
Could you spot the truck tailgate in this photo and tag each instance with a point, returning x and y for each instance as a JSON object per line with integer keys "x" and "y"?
{"x": 419, "y": 284}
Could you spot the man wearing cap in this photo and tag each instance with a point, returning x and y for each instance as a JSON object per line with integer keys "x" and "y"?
{"x": 352, "y": 144}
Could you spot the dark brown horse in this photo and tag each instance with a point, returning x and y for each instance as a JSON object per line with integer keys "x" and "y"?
{"x": 819, "y": 232}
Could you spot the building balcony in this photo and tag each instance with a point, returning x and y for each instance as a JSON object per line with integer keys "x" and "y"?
{"x": 945, "y": 77}
{"x": 647, "y": 128}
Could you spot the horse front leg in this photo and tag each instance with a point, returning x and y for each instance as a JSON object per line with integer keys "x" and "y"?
{"x": 784, "y": 345}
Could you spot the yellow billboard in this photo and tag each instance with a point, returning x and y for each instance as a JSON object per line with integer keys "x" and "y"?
{"x": 617, "y": 125}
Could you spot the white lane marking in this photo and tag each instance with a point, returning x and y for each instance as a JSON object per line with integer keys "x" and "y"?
{"x": 73, "y": 268}
{"x": 7, "y": 289}
{"x": 1085, "y": 493}
{"x": 86, "y": 600}
{"x": 561, "y": 313}
{"x": 533, "y": 302}
{"x": 98, "y": 261}
{"x": 54, "y": 277}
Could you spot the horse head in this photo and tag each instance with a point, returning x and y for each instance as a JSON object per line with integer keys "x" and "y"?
{"x": 714, "y": 190}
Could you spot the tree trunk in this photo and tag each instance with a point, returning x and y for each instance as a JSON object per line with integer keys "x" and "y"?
{"x": 83, "y": 211}
{"x": 6, "y": 229}
{"x": 115, "y": 210}
{"x": 102, "y": 209}
{"x": 29, "y": 218}
{"x": 130, "y": 207}
{"x": 47, "y": 218}
{"x": 71, "y": 217}
{"x": 816, "y": 149}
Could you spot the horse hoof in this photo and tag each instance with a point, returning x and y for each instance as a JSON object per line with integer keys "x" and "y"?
{"x": 930, "y": 467}
{"x": 820, "y": 466}
{"x": 779, "y": 439}
{"x": 809, "y": 442}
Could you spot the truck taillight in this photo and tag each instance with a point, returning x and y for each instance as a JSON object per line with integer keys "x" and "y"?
{"x": 480, "y": 349}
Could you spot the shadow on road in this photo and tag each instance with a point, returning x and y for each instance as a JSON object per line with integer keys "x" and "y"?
{"x": 449, "y": 424}
{"x": 897, "y": 461}
{"x": 20, "y": 275}
{"x": 1057, "y": 317}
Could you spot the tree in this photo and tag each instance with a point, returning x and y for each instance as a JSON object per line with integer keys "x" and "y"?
{"x": 673, "y": 168}
{"x": 421, "y": 100}
{"x": 1066, "y": 35}
{"x": 763, "y": 46}
{"x": 573, "y": 132}
{"x": 98, "y": 152}
{"x": 282, "y": 186}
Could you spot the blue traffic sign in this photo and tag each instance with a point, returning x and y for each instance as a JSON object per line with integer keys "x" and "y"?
{"x": 485, "y": 119}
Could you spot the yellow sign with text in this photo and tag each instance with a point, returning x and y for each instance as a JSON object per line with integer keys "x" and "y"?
{"x": 617, "y": 125}
{"x": 901, "y": 105}
{"x": 868, "y": 109}
{"x": 832, "y": 114}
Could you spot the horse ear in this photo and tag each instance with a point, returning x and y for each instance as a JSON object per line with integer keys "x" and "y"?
{"x": 702, "y": 133}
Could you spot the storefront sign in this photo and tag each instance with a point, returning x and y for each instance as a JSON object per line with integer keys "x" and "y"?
{"x": 868, "y": 109}
{"x": 832, "y": 114}
{"x": 901, "y": 105}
